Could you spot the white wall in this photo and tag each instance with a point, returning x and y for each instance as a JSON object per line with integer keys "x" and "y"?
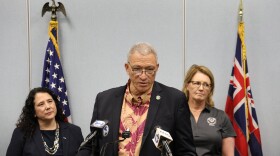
{"x": 96, "y": 35}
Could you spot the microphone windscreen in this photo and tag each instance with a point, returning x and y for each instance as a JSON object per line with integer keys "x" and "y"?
{"x": 101, "y": 125}
{"x": 153, "y": 132}
{"x": 161, "y": 135}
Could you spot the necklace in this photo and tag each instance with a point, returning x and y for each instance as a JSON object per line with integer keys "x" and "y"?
{"x": 52, "y": 150}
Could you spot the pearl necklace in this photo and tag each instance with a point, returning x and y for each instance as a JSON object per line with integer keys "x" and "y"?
{"x": 52, "y": 150}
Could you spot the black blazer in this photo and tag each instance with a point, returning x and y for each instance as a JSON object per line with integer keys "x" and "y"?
{"x": 71, "y": 139}
{"x": 168, "y": 109}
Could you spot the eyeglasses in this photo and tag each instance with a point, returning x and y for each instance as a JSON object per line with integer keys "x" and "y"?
{"x": 198, "y": 84}
{"x": 139, "y": 70}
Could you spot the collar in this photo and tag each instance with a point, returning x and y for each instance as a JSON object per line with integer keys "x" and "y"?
{"x": 207, "y": 108}
{"x": 143, "y": 99}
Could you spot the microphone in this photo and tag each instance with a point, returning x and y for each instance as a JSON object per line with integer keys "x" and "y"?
{"x": 101, "y": 125}
{"x": 161, "y": 140}
{"x": 97, "y": 125}
{"x": 125, "y": 134}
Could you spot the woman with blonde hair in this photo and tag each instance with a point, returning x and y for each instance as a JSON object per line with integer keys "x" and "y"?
{"x": 212, "y": 130}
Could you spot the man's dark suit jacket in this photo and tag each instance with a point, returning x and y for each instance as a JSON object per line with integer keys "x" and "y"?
{"x": 168, "y": 109}
{"x": 70, "y": 134}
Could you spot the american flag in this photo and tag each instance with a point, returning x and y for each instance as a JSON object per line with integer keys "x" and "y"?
{"x": 240, "y": 105}
{"x": 52, "y": 72}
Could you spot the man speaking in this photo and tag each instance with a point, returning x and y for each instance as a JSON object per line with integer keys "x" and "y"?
{"x": 138, "y": 107}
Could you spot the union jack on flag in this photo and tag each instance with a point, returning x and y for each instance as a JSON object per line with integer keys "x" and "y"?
{"x": 240, "y": 105}
{"x": 52, "y": 72}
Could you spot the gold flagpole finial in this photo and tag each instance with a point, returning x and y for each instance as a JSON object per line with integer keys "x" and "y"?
{"x": 241, "y": 11}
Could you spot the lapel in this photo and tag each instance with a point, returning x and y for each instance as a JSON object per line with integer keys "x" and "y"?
{"x": 39, "y": 142}
{"x": 64, "y": 136}
{"x": 116, "y": 110}
{"x": 153, "y": 108}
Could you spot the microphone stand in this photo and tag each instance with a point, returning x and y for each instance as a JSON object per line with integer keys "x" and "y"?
{"x": 166, "y": 149}
{"x": 86, "y": 140}
{"x": 125, "y": 134}
{"x": 93, "y": 147}
{"x": 103, "y": 149}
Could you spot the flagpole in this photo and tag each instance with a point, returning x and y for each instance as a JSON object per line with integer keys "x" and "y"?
{"x": 184, "y": 38}
{"x": 241, "y": 11}
{"x": 243, "y": 55}
{"x": 29, "y": 44}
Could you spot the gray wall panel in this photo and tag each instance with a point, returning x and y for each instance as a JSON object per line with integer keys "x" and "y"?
{"x": 13, "y": 67}
{"x": 262, "y": 38}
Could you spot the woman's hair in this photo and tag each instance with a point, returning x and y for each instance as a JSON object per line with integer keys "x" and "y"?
{"x": 27, "y": 121}
{"x": 188, "y": 78}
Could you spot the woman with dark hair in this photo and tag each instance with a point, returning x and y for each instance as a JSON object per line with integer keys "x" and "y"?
{"x": 42, "y": 129}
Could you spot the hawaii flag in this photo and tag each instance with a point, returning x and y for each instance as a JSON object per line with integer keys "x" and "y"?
{"x": 52, "y": 73}
{"x": 240, "y": 105}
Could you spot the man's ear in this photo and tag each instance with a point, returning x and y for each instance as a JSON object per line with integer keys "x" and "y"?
{"x": 126, "y": 68}
{"x": 157, "y": 67}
